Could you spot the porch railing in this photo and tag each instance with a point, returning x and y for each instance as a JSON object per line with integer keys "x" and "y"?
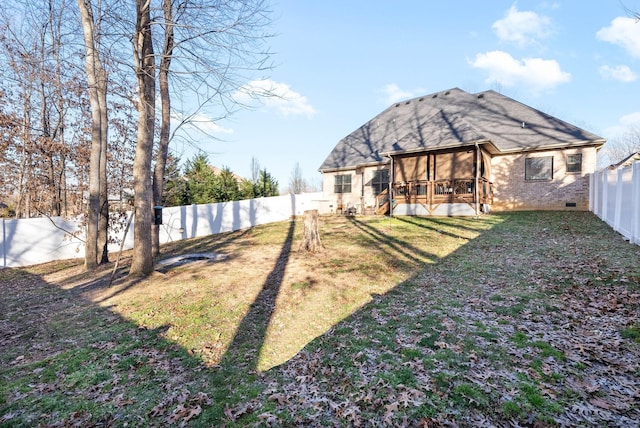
{"x": 459, "y": 190}
{"x": 383, "y": 203}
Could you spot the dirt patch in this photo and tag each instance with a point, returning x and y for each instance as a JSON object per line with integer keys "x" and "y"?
{"x": 166, "y": 264}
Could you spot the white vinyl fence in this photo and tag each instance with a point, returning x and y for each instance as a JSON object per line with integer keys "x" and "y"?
{"x": 38, "y": 240}
{"x": 615, "y": 198}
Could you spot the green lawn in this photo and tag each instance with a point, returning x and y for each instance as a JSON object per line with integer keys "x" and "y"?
{"x": 529, "y": 317}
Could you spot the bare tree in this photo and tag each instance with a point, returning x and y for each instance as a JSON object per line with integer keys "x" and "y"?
{"x": 620, "y": 147}
{"x": 215, "y": 44}
{"x": 209, "y": 50}
{"x": 255, "y": 170}
{"x": 165, "y": 124}
{"x": 95, "y": 244}
{"x": 297, "y": 183}
{"x": 31, "y": 45}
{"x": 144, "y": 63}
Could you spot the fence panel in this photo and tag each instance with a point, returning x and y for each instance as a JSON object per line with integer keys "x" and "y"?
{"x": 39, "y": 240}
{"x": 611, "y": 183}
{"x": 615, "y": 198}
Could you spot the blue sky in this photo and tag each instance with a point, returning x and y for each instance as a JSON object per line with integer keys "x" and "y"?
{"x": 339, "y": 63}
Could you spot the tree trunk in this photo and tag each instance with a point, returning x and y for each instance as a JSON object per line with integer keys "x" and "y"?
{"x": 93, "y": 69}
{"x": 25, "y": 163}
{"x": 311, "y": 238}
{"x": 103, "y": 222}
{"x": 165, "y": 127}
{"x": 142, "y": 263}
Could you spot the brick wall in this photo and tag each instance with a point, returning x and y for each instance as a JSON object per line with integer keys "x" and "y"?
{"x": 361, "y": 189}
{"x": 513, "y": 192}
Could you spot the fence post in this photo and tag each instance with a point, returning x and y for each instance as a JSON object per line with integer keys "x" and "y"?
{"x": 618, "y": 201}
{"x": 595, "y": 189}
{"x": 600, "y": 194}
{"x": 605, "y": 194}
{"x": 597, "y": 180}
{"x": 635, "y": 203}
{"x": 4, "y": 245}
{"x": 592, "y": 192}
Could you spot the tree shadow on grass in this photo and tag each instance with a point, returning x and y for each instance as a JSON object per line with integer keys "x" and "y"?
{"x": 393, "y": 245}
{"x": 434, "y": 222}
{"x": 83, "y": 356}
{"x": 68, "y": 362}
{"x": 244, "y": 351}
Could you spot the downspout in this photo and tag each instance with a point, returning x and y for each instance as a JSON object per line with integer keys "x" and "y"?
{"x": 391, "y": 195}
{"x": 362, "y": 192}
{"x": 476, "y": 190}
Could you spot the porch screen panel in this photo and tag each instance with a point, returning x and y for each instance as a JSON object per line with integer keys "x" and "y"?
{"x": 410, "y": 168}
{"x": 454, "y": 165}
{"x": 485, "y": 171}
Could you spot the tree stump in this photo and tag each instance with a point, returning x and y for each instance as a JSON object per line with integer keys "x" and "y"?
{"x": 311, "y": 238}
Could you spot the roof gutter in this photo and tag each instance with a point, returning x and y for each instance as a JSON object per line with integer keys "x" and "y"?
{"x": 432, "y": 149}
{"x": 581, "y": 143}
{"x": 352, "y": 167}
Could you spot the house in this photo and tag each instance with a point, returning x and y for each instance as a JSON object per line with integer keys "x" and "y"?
{"x": 217, "y": 171}
{"x": 457, "y": 153}
{"x": 627, "y": 161}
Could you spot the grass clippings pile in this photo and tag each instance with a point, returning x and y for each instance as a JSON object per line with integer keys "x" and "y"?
{"x": 524, "y": 319}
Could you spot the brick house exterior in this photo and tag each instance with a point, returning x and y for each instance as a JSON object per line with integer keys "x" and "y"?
{"x": 453, "y": 152}
{"x": 513, "y": 192}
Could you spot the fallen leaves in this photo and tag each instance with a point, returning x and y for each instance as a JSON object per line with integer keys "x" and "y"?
{"x": 517, "y": 328}
{"x": 532, "y": 339}
{"x": 180, "y": 407}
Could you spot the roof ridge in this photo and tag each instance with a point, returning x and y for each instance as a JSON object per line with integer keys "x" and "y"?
{"x": 432, "y": 95}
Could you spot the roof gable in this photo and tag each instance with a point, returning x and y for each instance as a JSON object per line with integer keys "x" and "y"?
{"x": 454, "y": 118}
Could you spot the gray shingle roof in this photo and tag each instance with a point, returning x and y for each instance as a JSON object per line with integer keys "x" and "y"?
{"x": 455, "y": 118}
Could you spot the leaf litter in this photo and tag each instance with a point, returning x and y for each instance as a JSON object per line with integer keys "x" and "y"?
{"x": 530, "y": 336}
{"x": 533, "y": 324}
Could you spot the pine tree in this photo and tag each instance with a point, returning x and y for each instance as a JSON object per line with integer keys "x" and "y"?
{"x": 201, "y": 181}
{"x": 226, "y": 186}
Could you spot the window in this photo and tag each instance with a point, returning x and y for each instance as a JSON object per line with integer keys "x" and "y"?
{"x": 574, "y": 163}
{"x": 343, "y": 184}
{"x": 540, "y": 168}
{"x": 380, "y": 181}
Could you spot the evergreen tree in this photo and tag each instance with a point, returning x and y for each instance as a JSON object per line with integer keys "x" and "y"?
{"x": 201, "y": 181}
{"x": 247, "y": 189}
{"x": 226, "y": 186}
{"x": 175, "y": 186}
{"x": 266, "y": 185}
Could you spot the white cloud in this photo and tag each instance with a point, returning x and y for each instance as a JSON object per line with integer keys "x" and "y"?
{"x": 201, "y": 123}
{"x": 631, "y": 120}
{"x": 277, "y": 96}
{"x": 624, "y": 32}
{"x": 625, "y": 124}
{"x": 618, "y": 72}
{"x": 522, "y": 28}
{"x": 535, "y": 74}
{"x": 393, "y": 93}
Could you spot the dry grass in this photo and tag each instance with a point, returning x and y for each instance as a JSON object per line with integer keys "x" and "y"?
{"x": 201, "y": 304}
{"x": 400, "y": 306}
